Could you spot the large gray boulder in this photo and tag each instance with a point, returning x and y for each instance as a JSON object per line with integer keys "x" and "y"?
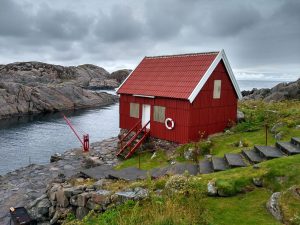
{"x": 39, "y": 208}
{"x": 240, "y": 116}
{"x": 211, "y": 188}
{"x": 273, "y": 206}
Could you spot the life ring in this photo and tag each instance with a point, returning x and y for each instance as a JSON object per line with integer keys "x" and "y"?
{"x": 168, "y": 125}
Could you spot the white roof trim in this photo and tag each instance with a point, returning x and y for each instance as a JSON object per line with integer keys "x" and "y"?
{"x": 144, "y": 96}
{"x": 208, "y": 73}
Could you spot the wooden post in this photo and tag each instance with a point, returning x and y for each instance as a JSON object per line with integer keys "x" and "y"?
{"x": 266, "y": 127}
{"x": 139, "y": 160}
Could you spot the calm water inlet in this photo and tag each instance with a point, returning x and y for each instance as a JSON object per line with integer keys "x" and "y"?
{"x": 33, "y": 139}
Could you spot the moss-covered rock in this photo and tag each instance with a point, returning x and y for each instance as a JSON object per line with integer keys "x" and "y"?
{"x": 290, "y": 205}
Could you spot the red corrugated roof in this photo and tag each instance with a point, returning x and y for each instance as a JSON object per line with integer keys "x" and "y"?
{"x": 174, "y": 76}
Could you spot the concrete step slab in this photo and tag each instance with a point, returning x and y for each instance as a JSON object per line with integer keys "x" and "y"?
{"x": 234, "y": 160}
{"x": 253, "y": 156}
{"x": 295, "y": 141}
{"x": 219, "y": 164}
{"x": 98, "y": 172}
{"x": 288, "y": 148}
{"x": 129, "y": 174}
{"x": 205, "y": 166}
{"x": 269, "y": 152}
{"x": 158, "y": 172}
{"x": 179, "y": 168}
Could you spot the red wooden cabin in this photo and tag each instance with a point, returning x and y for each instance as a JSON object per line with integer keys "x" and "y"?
{"x": 181, "y": 95}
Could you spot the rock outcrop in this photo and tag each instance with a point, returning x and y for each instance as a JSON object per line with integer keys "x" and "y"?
{"x": 35, "y": 87}
{"x": 120, "y": 75}
{"x": 282, "y": 91}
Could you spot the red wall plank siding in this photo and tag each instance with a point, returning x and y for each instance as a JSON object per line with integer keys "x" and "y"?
{"x": 212, "y": 115}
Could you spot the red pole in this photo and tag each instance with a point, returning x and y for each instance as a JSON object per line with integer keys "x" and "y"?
{"x": 85, "y": 143}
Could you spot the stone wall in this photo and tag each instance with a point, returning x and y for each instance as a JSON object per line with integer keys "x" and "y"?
{"x": 61, "y": 199}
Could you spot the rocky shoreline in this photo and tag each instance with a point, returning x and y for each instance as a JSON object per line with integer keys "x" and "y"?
{"x": 22, "y": 186}
{"x": 35, "y": 87}
{"x": 282, "y": 91}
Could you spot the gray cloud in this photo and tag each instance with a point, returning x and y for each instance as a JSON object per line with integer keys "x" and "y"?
{"x": 13, "y": 20}
{"x": 119, "y": 25}
{"x": 258, "y": 36}
{"x": 230, "y": 21}
{"x": 60, "y": 24}
{"x": 165, "y": 19}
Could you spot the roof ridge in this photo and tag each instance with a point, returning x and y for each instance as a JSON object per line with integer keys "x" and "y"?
{"x": 183, "y": 55}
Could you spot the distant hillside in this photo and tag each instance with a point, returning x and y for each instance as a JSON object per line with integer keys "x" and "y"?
{"x": 282, "y": 91}
{"x": 36, "y": 87}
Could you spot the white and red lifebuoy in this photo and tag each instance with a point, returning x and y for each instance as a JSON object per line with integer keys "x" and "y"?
{"x": 169, "y": 123}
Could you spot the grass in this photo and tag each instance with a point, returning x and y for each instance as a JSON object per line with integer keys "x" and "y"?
{"x": 247, "y": 202}
{"x": 243, "y": 209}
{"x": 146, "y": 162}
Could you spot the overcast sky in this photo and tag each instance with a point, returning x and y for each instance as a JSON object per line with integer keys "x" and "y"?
{"x": 260, "y": 37}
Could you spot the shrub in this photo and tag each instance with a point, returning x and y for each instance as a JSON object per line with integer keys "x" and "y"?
{"x": 202, "y": 147}
{"x": 205, "y": 147}
{"x": 247, "y": 126}
{"x": 226, "y": 188}
{"x": 233, "y": 187}
{"x": 176, "y": 183}
{"x": 160, "y": 184}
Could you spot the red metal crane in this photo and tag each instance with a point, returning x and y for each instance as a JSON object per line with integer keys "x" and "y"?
{"x": 84, "y": 141}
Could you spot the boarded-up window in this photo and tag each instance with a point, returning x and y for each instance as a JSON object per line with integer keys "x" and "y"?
{"x": 134, "y": 110}
{"x": 217, "y": 89}
{"x": 159, "y": 114}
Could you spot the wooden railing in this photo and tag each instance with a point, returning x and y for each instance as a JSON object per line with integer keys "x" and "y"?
{"x": 134, "y": 137}
{"x": 129, "y": 132}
